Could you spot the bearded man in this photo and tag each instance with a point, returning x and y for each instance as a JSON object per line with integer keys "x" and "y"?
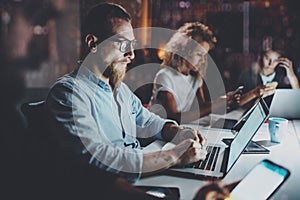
{"x": 98, "y": 119}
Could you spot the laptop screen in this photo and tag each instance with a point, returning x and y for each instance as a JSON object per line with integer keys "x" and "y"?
{"x": 248, "y": 130}
{"x": 281, "y": 106}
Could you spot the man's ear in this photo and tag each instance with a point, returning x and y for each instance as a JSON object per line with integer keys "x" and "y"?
{"x": 90, "y": 40}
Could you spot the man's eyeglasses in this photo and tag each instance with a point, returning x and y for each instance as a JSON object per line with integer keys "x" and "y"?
{"x": 126, "y": 45}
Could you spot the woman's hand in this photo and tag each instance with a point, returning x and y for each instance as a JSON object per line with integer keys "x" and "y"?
{"x": 288, "y": 65}
{"x": 233, "y": 97}
{"x": 264, "y": 90}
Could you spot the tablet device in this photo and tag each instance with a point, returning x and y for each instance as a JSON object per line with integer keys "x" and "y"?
{"x": 252, "y": 147}
{"x": 261, "y": 182}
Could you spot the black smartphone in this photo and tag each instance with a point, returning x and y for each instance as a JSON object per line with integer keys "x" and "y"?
{"x": 166, "y": 193}
{"x": 261, "y": 182}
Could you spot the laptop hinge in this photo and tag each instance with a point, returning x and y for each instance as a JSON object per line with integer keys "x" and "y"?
{"x": 224, "y": 164}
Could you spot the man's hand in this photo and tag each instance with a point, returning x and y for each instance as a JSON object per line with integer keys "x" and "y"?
{"x": 190, "y": 144}
{"x": 176, "y": 134}
{"x": 186, "y": 152}
{"x": 189, "y": 151}
{"x": 184, "y": 133}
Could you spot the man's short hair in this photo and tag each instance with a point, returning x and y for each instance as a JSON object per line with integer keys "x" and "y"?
{"x": 100, "y": 20}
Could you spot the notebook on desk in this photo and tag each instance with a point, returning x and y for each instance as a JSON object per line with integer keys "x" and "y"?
{"x": 285, "y": 103}
{"x": 221, "y": 157}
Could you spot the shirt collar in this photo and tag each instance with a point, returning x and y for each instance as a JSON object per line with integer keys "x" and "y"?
{"x": 84, "y": 71}
{"x": 267, "y": 79}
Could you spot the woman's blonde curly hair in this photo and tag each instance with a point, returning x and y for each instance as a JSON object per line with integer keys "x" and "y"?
{"x": 184, "y": 41}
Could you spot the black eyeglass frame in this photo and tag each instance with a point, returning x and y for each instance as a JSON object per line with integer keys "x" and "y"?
{"x": 126, "y": 45}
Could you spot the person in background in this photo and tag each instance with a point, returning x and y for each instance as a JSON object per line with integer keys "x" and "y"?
{"x": 98, "y": 119}
{"x": 269, "y": 72}
{"x": 179, "y": 84}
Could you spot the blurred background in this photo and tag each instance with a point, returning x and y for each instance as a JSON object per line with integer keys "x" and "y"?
{"x": 40, "y": 39}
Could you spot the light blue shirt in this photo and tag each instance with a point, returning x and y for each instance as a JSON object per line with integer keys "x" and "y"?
{"x": 106, "y": 122}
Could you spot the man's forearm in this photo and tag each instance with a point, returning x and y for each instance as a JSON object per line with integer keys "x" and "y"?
{"x": 158, "y": 161}
{"x": 186, "y": 152}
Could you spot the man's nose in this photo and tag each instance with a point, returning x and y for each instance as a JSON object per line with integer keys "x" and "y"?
{"x": 130, "y": 54}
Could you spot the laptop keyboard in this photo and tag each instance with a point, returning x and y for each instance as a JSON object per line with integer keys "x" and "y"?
{"x": 210, "y": 161}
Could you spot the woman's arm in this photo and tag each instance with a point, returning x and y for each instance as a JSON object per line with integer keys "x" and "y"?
{"x": 168, "y": 102}
{"x": 259, "y": 91}
{"x": 288, "y": 65}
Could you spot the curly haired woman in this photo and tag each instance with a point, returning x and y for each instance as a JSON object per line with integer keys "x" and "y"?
{"x": 178, "y": 85}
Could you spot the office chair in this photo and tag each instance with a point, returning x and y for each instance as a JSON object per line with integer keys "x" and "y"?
{"x": 42, "y": 156}
{"x": 38, "y": 130}
{"x": 52, "y": 175}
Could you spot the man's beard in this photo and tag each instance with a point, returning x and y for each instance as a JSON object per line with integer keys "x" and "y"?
{"x": 115, "y": 76}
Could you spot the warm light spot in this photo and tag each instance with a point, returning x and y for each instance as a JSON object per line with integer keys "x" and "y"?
{"x": 267, "y": 3}
{"x": 161, "y": 51}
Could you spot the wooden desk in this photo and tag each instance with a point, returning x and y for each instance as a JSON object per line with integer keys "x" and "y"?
{"x": 287, "y": 153}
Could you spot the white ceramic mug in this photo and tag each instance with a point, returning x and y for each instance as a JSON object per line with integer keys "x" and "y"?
{"x": 277, "y": 128}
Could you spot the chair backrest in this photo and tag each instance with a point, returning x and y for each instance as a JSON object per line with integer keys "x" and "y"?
{"x": 40, "y": 147}
{"x": 33, "y": 112}
{"x": 42, "y": 144}
{"x": 52, "y": 175}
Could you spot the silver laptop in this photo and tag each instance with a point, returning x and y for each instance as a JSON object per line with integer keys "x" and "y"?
{"x": 285, "y": 104}
{"x": 221, "y": 157}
